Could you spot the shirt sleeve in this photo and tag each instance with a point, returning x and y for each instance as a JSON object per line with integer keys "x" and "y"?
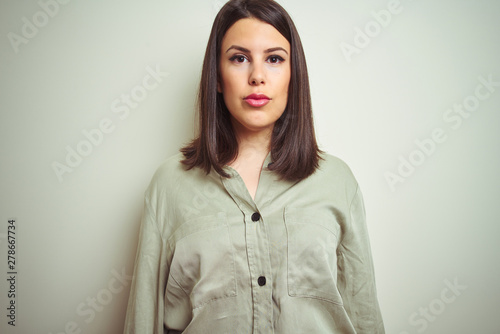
{"x": 356, "y": 278}
{"x": 145, "y": 306}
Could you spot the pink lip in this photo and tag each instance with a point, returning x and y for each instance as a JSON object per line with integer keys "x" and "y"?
{"x": 257, "y": 100}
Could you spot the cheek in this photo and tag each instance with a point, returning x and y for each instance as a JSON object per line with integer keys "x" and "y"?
{"x": 285, "y": 83}
{"x": 230, "y": 83}
{"x": 281, "y": 78}
{"x": 288, "y": 78}
{"x": 231, "y": 91}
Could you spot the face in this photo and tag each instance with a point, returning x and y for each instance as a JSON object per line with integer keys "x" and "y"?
{"x": 254, "y": 74}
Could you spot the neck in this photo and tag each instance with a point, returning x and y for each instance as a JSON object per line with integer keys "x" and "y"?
{"x": 253, "y": 148}
{"x": 252, "y": 145}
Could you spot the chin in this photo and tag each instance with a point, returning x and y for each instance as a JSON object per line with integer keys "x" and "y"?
{"x": 256, "y": 127}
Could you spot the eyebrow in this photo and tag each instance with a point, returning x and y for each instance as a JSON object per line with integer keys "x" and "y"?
{"x": 242, "y": 49}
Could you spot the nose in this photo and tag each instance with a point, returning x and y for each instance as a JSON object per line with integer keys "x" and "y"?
{"x": 257, "y": 74}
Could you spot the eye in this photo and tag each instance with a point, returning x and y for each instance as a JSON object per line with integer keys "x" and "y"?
{"x": 238, "y": 58}
{"x": 275, "y": 59}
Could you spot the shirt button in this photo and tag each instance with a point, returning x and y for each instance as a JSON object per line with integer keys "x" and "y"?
{"x": 255, "y": 216}
{"x": 261, "y": 281}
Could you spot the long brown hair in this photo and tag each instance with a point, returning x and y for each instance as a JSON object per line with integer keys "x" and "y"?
{"x": 294, "y": 151}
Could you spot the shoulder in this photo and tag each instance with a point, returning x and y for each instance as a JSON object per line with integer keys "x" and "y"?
{"x": 169, "y": 169}
{"x": 332, "y": 162}
{"x": 334, "y": 173}
{"x": 334, "y": 167}
{"x": 167, "y": 177}
{"x": 172, "y": 179}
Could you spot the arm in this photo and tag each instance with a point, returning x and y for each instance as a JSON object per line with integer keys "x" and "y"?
{"x": 145, "y": 306}
{"x": 356, "y": 278}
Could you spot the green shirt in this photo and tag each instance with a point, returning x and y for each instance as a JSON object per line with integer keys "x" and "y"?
{"x": 212, "y": 260}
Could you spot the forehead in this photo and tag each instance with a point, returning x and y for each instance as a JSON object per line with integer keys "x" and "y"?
{"x": 254, "y": 34}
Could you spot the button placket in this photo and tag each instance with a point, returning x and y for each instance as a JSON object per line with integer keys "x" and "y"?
{"x": 257, "y": 245}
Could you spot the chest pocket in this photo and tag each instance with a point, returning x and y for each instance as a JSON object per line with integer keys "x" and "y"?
{"x": 203, "y": 259}
{"x": 312, "y": 254}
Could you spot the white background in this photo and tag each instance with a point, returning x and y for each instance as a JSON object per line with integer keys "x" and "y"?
{"x": 75, "y": 236}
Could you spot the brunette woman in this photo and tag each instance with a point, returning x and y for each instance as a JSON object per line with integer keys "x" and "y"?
{"x": 251, "y": 228}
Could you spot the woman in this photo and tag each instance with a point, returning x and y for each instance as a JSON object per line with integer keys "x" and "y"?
{"x": 252, "y": 229}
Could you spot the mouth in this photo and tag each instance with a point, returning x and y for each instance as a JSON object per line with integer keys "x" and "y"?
{"x": 257, "y": 100}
